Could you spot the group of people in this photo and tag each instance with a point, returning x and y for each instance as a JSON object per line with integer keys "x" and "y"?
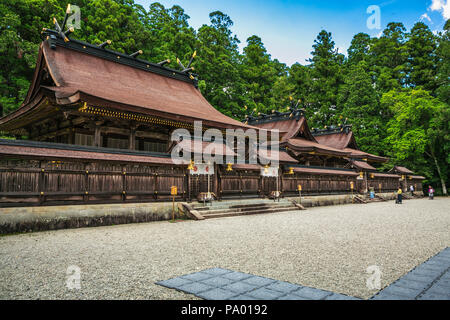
{"x": 411, "y": 189}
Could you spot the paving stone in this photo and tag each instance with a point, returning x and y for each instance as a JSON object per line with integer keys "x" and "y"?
{"x": 240, "y": 287}
{"x": 408, "y": 293}
{"x": 435, "y": 265}
{"x": 259, "y": 281}
{"x": 217, "y": 271}
{"x": 433, "y": 296}
{"x": 438, "y": 289}
{"x": 387, "y": 296}
{"x": 243, "y": 297}
{"x": 418, "y": 285}
{"x": 312, "y": 293}
{"x": 427, "y": 272}
{"x": 174, "y": 283}
{"x": 419, "y": 278}
{"x": 217, "y": 294}
{"x": 444, "y": 283}
{"x": 338, "y": 296}
{"x": 265, "y": 294}
{"x": 217, "y": 281}
{"x": 195, "y": 288}
{"x": 283, "y": 286}
{"x": 237, "y": 276}
{"x": 446, "y": 276}
{"x": 292, "y": 297}
{"x": 198, "y": 276}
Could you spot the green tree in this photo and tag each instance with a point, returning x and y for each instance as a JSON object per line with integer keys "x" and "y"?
{"x": 20, "y": 26}
{"x": 218, "y": 65}
{"x": 443, "y": 65}
{"x": 422, "y": 57}
{"x": 362, "y": 109}
{"x": 418, "y": 133}
{"x": 390, "y": 56}
{"x": 259, "y": 74}
{"x": 326, "y": 77}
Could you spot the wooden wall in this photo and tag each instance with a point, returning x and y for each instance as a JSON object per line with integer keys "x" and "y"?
{"x": 39, "y": 182}
{"x": 48, "y": 183}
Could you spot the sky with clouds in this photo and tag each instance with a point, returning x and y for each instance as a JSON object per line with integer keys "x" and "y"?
{"x": 288, "y": 27}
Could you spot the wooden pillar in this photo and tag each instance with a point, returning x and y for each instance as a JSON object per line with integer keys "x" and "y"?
{"x": 132, "y": 138}
{"x": 97, "y": 136}
{"x": 71, "y": 138}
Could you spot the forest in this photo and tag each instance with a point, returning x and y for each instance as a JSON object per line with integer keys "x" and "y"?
{"x": 393, "y": 89}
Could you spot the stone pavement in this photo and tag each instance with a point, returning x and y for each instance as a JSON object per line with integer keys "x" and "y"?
{"x": 223, "y": 284}
{"x": 428, "y": 281}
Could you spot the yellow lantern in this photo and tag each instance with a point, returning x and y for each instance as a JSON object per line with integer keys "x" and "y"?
{"x": 191, "y": 165}
{"x": 372, "y": 175}
{"x": 361, "y": 174}
{"x": 229, "y": 167}
{"x": 291, "y": 170}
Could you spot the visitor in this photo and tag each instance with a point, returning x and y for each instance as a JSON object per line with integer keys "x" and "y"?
{"x": 399, "y": 195}
{"x": 430, "y": 192}
{"x": 411, "y": 188}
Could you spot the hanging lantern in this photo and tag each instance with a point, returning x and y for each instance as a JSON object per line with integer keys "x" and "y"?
{"x": 229, "y": 167}
{"x": 372, "y": 175}
{"x": 361, "y": 174}
{"x": 191, "y": 165}
{"x": 291, "y": 170}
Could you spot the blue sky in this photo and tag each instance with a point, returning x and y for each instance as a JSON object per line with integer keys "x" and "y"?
{"x": 288, "y": 28}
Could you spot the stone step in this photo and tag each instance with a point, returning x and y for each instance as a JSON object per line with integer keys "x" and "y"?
{"x": 240, "y": 213}
{"x": 225, "y": 205}
{"x": 246, "y": 209}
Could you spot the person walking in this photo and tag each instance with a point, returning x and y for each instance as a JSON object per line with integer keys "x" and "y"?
{"x": 411, "y": 188}
{"x": 430, "y": 192}
{"x": 399, "y": 195}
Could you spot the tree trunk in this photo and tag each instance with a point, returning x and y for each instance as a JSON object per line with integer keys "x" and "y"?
{"x": 444, "y": 188}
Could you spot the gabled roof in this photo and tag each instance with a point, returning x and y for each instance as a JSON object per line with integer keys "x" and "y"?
{"x": 295, "y": 133}
{"x": 81, "y": 72}
{"x": 339, "y": 140}
{"x": 343, "y": 138}
{"x": 362, "y": 165}
{"x": 303, "y": 145}
{"x": 401, "y": 170}
{"x": 289, "y": 127}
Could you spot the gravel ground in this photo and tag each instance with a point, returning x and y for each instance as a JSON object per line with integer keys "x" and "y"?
{"x": 325, "y": 247}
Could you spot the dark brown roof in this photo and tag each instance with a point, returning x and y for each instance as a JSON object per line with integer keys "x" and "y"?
{"x": 218, "y": 147}
{"x": 288, "y": 128}
{"x": 358, "y": 154}
{"x": 303, "y": 145}
{"x": 402, "y": 170}
{"x": 337, "y": 140}
{"x": 325, "y": 171}
{"x": 418, "y": 177}
{"x": 61, "y": 154}
{"x": 83, "y": 77}
{"x": 363, "y": 165}
{"x": 282, "y": 156}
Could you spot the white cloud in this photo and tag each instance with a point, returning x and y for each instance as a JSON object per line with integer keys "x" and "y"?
{"x": 425, "y": 17}
{"x": 442, "y": 6}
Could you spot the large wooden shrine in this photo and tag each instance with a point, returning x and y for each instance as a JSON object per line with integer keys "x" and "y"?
{"x": 96, "y": 125}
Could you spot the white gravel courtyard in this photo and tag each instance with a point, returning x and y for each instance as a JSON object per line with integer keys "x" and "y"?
{"x": 325, "y": 247}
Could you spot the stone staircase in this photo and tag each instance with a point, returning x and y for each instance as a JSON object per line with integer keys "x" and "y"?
{"x": 242, "y": 207}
